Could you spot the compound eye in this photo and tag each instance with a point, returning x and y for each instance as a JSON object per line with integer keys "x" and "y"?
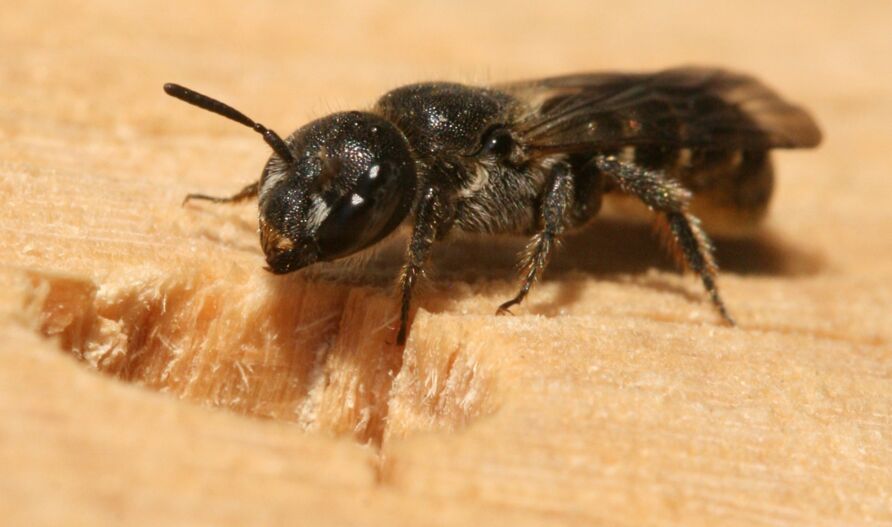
{"x": 497, "y": 141}
{"x": 372, "y": 209}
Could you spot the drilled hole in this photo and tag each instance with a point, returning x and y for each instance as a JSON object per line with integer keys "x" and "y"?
{"x": 315, "y": 353}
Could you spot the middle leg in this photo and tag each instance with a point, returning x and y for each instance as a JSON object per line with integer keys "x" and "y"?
{"x": 555, "y": 207}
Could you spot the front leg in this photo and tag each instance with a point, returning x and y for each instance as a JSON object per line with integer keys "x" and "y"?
{"x": 248, "y": 192}
{"x": 555, "y": 205}
{"x": 427, "y": 220}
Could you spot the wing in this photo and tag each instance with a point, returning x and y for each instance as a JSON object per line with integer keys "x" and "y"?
{"x": 682, "y": 107}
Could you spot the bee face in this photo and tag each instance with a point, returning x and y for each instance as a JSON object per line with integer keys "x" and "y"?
{"x": 350, "y": 184}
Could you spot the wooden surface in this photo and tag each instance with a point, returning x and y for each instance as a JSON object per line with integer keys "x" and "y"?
{"x": 151, "y": 371}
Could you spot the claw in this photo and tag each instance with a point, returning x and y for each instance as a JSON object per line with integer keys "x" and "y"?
{"x": 201, "y": 196}
{"x": 505, "y": 309}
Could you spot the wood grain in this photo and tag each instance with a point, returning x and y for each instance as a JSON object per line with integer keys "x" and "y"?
{"x": 151, "y": 371}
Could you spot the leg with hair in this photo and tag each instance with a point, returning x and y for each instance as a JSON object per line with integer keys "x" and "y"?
{"x": 555, "y": 206}
{"x": 424, "y": 231}
{"x": 683, "y": 232}
{"x": 248, "y": 192}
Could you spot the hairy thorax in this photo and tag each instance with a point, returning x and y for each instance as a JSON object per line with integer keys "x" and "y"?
{"x": 498, "y": 198}
{"x": 445, "y": 123}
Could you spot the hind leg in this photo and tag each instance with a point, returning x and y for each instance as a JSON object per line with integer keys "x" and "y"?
{"x": 667, "y": 197}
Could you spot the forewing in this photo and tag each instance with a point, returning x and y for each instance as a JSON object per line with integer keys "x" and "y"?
{"x": 683, "y": 107}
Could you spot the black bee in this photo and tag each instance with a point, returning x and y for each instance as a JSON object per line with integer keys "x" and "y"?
{"x": 531, "y": 158}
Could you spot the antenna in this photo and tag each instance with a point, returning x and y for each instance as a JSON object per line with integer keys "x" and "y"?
{"x": 212, "y": 105}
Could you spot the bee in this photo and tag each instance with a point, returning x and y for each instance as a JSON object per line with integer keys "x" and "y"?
{"x": 533, "y": 158}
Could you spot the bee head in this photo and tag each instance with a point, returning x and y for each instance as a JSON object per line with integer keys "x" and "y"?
{"x": 335, "y": 187}
{"x": 350, "y": 183}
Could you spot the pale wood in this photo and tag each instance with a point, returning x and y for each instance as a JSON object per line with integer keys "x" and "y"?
{"x": 613, "y": 398}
